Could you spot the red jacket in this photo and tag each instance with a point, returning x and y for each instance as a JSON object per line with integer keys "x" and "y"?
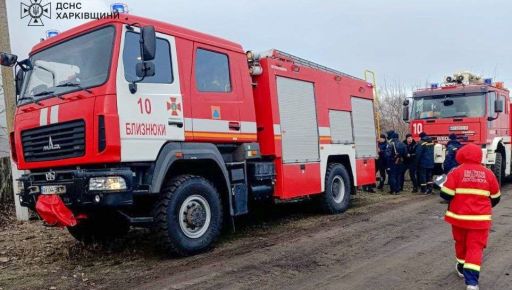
{"x": 472, "y": 190}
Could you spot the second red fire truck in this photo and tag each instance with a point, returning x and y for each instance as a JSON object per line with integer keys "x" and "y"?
{"x": 134, "y": 122}
{"x": 476, "y": 110}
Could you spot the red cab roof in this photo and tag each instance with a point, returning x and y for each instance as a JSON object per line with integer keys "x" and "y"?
{"x": 160, "y": 26}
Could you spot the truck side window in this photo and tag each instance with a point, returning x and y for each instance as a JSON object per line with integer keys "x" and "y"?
{"x": 490, "y": 103}
{"x": 212, "y": 71}
{"x": 504, "y": 98}
{"x": 162, "y": 61}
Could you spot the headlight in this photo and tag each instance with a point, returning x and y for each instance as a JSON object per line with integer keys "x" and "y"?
{"x": 107, "y": 183}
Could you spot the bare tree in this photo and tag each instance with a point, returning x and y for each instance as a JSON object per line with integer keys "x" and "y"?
{"x": 4, "y": 149}
{"x": 390, "y": 107}
{"x": 6, "y": 196}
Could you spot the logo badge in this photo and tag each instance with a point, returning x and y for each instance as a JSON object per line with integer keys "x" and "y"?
{"x": 174, "y": 107}
{"x": 215, "y": 112}
{"x": 50, "y": 176}
{"x": 36, "y": 10}
{"x": 50, "y": 145}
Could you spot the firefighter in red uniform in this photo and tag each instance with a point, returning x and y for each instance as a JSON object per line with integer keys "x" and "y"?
{"x": 472, "y": 190}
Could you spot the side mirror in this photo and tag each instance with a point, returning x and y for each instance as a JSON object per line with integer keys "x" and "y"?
{"x": 499, "y": 106}
{"x": 405, "y": 113}
{"x": 145, "y": 69}
{"x": 20, "y": 75}
{"x": 7, "y": 59}
{"x": 405, "y": 103}
{"x": 148, "y": 43}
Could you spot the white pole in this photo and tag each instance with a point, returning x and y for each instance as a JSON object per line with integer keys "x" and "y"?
{"x": 21, "y": 212}
{"x": 9, "y": 95}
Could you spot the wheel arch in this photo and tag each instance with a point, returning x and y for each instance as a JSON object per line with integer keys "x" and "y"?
{"x": 343, "y": 159}
{"x": 203, "y": 159}
{"x": 496, "y": 146}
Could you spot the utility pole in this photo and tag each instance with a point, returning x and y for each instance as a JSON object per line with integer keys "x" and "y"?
{"x": 9, "y": 100}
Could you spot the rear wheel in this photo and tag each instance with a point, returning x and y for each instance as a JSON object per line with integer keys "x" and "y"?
{"x": 188, "y": 216}
{"x": 336, "y": 197}
{"x": 498, "y": 168}
{"x": 100, "y": 228}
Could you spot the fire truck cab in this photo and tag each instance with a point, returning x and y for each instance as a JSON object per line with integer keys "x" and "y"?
{"x": 476, "y": 110}
{"x": 134, "y": 122}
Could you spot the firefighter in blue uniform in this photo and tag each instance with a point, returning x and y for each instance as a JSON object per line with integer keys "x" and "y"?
{"x": 395, "y": 154}
{"x": 410, "y": 163}
{"x": 425, "y": 159}
{"x": 381, "y": 162}
{"x": 451, "y": 150}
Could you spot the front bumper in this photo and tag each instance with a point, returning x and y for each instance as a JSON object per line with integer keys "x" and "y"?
{"x": 76, "y": 183}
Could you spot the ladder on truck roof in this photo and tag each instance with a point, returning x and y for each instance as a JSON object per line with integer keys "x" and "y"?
{"x": 306, "y": 63}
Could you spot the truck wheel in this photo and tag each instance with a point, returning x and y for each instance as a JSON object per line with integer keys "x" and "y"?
{"x": 336, "y": 197}
{"x": 100, "y": 228}
{"x": 498, "y": 168}
{"x": 188, "y": 216}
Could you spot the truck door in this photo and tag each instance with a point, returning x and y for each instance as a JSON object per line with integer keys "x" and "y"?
{"x": 154, "y": 114}
{"x": 215, "y": 97}
{"x": 363, "y": 121}
{"x": 299, "y": 173}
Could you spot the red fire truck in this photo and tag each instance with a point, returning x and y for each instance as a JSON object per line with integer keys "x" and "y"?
{"x": 476, "y": 110}
{"x": 134, "y": 122}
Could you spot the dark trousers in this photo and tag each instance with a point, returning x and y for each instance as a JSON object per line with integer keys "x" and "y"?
{"x": 425, "y": 175}
{"x": 413, "y": 175}
{"x": 395, "y": 176}
{"x": 382, "y": 173}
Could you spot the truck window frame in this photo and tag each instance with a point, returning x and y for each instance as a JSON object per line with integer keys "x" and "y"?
{"x": 230, "y": 78}
{"x": 147, "y": 80}
{"x": 107, "y": 79}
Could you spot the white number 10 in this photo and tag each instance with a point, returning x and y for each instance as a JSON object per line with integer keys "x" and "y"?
{"x": 417, "y": 128}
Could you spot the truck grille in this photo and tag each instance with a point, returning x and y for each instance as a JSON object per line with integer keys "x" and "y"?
{"x": 57, "y": 141}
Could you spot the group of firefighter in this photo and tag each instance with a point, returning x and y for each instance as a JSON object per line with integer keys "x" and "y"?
{"x": 470, "y": 189}
{"x": 423, "y": 160}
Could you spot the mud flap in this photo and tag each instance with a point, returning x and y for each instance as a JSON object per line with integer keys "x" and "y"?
{"x": 54, "y": 212}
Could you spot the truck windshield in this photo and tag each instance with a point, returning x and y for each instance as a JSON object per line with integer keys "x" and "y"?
{"x": 447, "y": 106}
{"x": 80, "y": 63}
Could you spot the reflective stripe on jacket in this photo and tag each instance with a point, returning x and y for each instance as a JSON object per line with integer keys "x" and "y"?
{"x": 472, "y": 190}
{"x": 425, "y": 153}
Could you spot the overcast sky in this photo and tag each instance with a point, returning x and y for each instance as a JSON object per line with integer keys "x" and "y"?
{"x": 406, "y": 41}
{"x": 411, "y": 42}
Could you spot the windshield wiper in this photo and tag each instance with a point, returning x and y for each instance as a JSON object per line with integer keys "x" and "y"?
{"x": 76, "y": 85}
{"x": 43, "y": 93}
{"x": 30, "y": 98}
{"x": 48, "y": 93}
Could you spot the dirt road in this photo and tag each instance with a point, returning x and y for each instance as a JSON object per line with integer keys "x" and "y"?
{"x": 382, "y": 242}
{"x": 402, "y": 246}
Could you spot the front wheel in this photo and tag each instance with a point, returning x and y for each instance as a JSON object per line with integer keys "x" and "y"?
{"x": 336, "y": 197}
{"x": 188, "y": 216}
{"x": 498, "y": 169}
